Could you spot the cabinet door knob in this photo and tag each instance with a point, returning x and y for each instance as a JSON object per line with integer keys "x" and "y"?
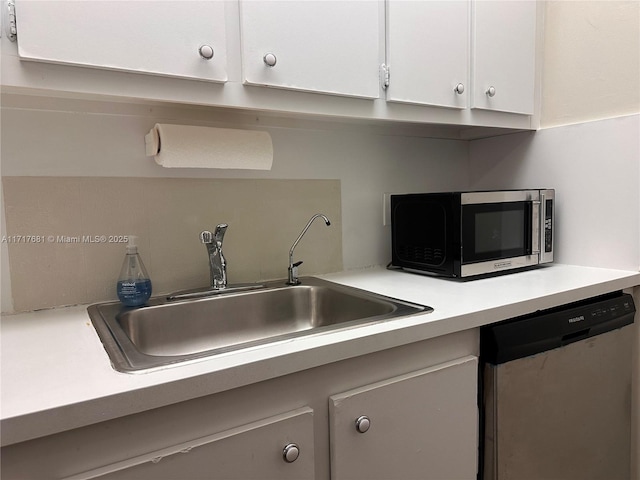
{"x": 459, "y": 89}
{"x": 491, "y": 91}
{"x": 363, "y": 424}
{"x": 206, "y": 52}
{"x": 270, "y": 59}
{"x": 290, "y": 453}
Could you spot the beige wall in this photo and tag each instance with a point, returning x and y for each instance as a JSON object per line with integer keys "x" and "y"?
{"x": 82, "y": 222}
{"x": 591, "y": 67}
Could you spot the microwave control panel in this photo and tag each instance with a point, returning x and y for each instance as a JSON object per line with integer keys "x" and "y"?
{"x": 548, "y": 226}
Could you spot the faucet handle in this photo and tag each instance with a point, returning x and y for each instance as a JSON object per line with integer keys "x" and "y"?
{"x": 218, "y": 233}
{"x": 216, "y": 236}
{"x": 206, "y": 237}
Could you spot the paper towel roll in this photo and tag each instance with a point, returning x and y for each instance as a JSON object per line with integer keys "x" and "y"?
{"x": 185, "y": 146}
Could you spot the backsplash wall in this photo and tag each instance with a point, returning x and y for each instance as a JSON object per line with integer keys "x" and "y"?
{"x": 103, "y": 143}
{"x": 79, "y": 226}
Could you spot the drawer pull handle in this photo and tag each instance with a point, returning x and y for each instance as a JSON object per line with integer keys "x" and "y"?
{"x": 363, "y": 424}
{"x": 290, "y": 453}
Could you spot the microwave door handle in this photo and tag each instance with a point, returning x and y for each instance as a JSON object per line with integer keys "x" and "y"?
{"x": 536, "y": 225}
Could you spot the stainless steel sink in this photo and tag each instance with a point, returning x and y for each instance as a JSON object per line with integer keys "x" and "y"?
{"x": 166, "y": 332}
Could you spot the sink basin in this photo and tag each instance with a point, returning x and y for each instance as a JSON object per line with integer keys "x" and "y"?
{"x": 166, "y": 332}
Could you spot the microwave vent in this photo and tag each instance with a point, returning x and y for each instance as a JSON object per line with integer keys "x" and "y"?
{"x": 423, "y": 255}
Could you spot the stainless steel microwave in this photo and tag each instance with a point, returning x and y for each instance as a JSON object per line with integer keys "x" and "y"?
{"x": 463, "y": 234}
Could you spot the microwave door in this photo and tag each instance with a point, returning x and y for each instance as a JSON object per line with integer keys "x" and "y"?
{"x": 500, "y": 235}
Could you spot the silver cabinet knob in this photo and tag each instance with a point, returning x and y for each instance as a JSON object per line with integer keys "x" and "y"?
{"x": 290, "y": 453}
{"x": 270, "y": 59}
{"x": 491, "y": 91}
{"x": 459, "y": 89}
{"x": 363, "y": 424}
{"x": 206, "y": 52}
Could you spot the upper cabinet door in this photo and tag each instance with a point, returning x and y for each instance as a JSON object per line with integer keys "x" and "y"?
{"x": 428, "y": 52}
{"x": 317, "y": 46}
{"x": 504, "y": 53}
{"x": 178, "y": 39}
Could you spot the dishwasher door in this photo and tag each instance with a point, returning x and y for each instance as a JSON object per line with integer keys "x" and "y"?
{"x": 557, "y": 393}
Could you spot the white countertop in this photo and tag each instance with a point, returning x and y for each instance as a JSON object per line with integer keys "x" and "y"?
{"x": 56, "y": 375}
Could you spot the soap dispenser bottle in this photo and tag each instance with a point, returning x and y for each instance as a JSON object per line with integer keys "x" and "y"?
{"x": 134, "y": 285}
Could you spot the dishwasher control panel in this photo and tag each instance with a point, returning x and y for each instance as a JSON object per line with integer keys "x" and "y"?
{"x": 556, "y": 327}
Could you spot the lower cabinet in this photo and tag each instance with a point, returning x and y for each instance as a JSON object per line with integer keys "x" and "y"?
{"x": 276, "y": 448}
{"x": 420, "y": 425}
{"x": 403, "y": 413}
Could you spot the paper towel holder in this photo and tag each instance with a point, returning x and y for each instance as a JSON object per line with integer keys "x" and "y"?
{"x": 152, "y": 143}
{"x": 191, "y": 146}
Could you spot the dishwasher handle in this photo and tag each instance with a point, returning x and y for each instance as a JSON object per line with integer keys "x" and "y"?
{"x": 575, "y": 336}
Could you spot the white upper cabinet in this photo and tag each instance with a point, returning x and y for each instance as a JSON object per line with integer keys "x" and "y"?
{"x": 463, "y": 63}
{"x": 317, "y": 46}
{"x": 178, "y": 39}
{"x": 504, "y": 54}
{"x": 428, "y": 52}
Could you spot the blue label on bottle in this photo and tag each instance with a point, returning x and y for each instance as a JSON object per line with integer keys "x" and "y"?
{"x": 134, "y": 293}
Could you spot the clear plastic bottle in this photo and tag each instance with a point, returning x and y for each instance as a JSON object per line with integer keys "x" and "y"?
{"x": 134, "y": 284}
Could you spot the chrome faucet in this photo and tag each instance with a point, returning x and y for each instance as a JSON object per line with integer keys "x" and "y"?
{"x": 293, "y": 267}
{"x": 217, "y": 269}
{"x": 217, "y": 262}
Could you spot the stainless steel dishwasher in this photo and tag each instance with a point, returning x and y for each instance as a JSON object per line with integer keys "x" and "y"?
{"x": 555, "y": 393}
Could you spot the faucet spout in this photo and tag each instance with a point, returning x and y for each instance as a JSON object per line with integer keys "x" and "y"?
{"x": 293, "y": 267}
{"x": 217, "y": 262}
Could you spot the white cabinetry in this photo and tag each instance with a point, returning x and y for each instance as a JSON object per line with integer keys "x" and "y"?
{"x": 429, "y": 61}
{"x": 504, "y": 54}
{"x": 278, "y": 448}
{"x": 318, "y": 46}
{"x": 423, "y": 424}
{"x": 319, "y": 57}
{"x": 179, "y": 39}
{"x": 428, "y": 52}
{"x": 420, "y": 399}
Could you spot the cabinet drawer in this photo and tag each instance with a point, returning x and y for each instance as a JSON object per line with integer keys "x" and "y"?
{"x": 250, "y": 452}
